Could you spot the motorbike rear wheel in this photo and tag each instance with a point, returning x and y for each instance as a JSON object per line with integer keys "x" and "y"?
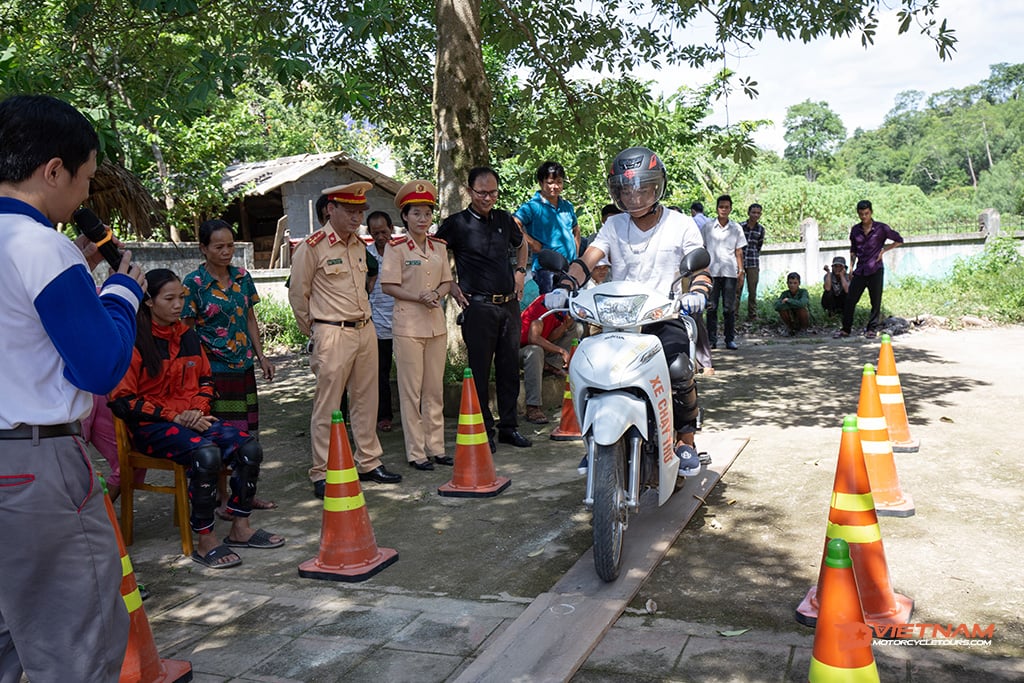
{"x": 610, "y": 513}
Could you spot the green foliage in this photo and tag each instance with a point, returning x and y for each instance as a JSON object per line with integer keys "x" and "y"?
{"x": 813, "y": 132}
{"x": 277, "y": 325}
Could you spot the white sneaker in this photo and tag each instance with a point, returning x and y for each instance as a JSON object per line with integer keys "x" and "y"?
{"x": 582, "y": 468}
{"x": 689, "y": 461}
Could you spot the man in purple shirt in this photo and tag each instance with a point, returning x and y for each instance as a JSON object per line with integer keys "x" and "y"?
{"x": 867, "y": 247}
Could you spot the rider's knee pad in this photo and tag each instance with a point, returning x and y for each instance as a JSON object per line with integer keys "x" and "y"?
{"x": 680, "y": 370}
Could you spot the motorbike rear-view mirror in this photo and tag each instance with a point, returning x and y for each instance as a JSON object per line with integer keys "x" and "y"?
{"x": 698, "y": 259}
{"x": 552, "y": 260}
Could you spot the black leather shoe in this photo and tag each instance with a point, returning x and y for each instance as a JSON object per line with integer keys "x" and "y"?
{"x": 444, "y": 460}
{"x": 515, "y": 438}
{"x": 380, "y": 475}
{"x": 425, "y": 465}
{"x": 318, "y": 488}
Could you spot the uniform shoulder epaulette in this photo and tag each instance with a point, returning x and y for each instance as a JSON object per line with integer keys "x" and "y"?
{"x": 437, "y": 239}
{"x": 398, "y": 240}
{"x": 315, "y": 238}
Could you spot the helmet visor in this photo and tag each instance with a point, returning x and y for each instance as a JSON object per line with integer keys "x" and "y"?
{"x": 636, "y": 191}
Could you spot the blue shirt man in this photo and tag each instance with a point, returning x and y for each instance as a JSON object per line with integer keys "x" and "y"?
{"x": 549, "y": 222}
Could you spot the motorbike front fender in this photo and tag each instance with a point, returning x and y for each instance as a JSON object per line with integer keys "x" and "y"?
{"x": 608, "y": 415}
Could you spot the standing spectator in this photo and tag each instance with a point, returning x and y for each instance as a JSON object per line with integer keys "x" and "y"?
{"x": 549, "y": 222}
{"x": 835, "y": 287}
{"x": 417, "y": 274}
{"x": 724, "y": 240}
{"x": 219, "y": 305}
{"x": 488, "y": 289}
{"x": 329, "y": 297}
{"x": 697, "y": 213}
{"x": 867, "y": 247}
{"x": 381, "y": 229}
{"x": 62, "y": 617}
{"x": 793, "y": 304}
{"x": 753, "y": 231}
{"x": 544, "y": 344}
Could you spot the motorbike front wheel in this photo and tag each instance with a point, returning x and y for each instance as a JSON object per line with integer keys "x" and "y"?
{"x": 610, "y": 512}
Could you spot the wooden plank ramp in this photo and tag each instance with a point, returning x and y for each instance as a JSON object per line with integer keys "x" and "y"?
{"x": 558, "y": 630}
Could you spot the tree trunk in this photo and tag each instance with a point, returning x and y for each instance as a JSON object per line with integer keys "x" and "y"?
{"x": 164, "y": 174}
{"x": 462, "y": 99}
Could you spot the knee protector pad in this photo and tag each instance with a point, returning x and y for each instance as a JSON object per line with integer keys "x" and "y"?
{"x": 680, "y": 370}
{"x": 206, "y": 463}
{"x": 248, "y": 459}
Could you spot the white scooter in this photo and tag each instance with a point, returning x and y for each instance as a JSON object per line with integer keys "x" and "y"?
{"x": 622, "y": 394}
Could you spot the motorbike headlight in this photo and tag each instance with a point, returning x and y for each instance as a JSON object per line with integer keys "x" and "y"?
{"x": 619, "y": 311}
{"x": 658, "y": 314}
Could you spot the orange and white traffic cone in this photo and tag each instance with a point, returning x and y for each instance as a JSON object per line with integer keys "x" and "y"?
{"x": 893, "y": 407}
{"x": 569, "y": 426}
{"x": 890, "y": 500}
{"x": 851, "y": 517}
{"x": 142, "y": 663}
{"x": 842, "y": 641}
{"x": 473, "y": 475}
{"x": 348, "y": 548}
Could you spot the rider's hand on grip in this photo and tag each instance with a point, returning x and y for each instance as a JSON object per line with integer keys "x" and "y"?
{"x": 556, "y": 298}
{"x": 692, "y": 303}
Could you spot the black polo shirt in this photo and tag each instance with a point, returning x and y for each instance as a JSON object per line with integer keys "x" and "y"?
{"x": 484, "y": 250}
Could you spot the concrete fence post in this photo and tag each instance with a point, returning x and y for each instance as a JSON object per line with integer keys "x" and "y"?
{"x": 809, "y": 235}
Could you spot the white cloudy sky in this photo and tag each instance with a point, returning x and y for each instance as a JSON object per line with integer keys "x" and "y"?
{"x": 861, "y": 85}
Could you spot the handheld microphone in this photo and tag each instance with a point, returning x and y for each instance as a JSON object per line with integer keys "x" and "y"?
{"x": 87, "y": 223}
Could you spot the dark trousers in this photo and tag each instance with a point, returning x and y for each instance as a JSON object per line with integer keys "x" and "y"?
{"x": 858, "y": 283}
{"x": 723, "y": 290}
{"x": 833, "y": 304}
{"x": 384, "y": 409}
{"x": 491, "y": 333}
{"x": 676, "y": 342}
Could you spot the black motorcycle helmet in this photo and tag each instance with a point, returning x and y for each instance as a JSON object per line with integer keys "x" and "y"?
{"x": 636, "y": 181}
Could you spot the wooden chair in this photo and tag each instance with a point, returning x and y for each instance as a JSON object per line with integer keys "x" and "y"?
{"x": 130, "y": 460}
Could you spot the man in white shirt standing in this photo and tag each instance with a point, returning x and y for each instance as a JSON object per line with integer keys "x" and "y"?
{"x": 724, "y": 240}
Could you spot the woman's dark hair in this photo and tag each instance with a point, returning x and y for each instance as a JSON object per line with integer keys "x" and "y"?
{"x": 144, "y": 341}
{"x": 207, "y": 229}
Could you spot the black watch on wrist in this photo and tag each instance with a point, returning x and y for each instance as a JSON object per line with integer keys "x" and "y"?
{"x": 520, "y": 269}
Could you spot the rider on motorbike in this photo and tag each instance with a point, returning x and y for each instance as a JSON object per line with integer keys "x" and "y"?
{"x": 645, "y": 244}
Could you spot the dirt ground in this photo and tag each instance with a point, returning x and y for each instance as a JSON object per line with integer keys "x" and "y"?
{"x": 750, "y": 555}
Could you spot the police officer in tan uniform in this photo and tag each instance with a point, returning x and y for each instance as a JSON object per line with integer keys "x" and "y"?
{"x": 328, "y": 297}
{"x": 417, "y": 274}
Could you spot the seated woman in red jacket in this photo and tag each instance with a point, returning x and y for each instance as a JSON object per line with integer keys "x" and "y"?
{"x": 165, "y": 400}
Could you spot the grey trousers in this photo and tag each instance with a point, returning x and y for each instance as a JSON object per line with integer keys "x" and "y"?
{"x": 533, "y": 359}
{"x": 62, "y": 617}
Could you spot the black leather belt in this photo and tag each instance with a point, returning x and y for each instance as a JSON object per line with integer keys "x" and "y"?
{"x": 344, "y": 323}
{"x": 493, "y": 298}
{"x": 42, "y": 431}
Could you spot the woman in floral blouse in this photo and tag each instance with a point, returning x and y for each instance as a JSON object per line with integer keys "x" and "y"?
{"x": 219, "y": 300}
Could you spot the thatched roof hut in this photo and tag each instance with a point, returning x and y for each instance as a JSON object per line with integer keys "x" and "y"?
{"x": 119, "y": 198}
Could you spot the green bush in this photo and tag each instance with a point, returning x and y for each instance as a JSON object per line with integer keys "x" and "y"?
{"x": 277, "y": 325}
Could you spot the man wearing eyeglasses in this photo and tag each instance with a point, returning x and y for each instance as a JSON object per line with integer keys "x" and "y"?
{"x": 490, "y": 263}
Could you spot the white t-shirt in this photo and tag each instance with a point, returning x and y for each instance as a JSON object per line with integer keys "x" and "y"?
{"x": 652, "y": 256}
{"x": 722, "y": 243}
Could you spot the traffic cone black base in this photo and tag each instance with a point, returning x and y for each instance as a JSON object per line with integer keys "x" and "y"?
{"x": 312, "y": 569}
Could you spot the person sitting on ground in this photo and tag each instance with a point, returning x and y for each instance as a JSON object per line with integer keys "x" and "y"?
{"x": 165, "y": 400}
{"x": 835, "y": 287}
{"x": 544, "y": 345}
{"x": 792, "y": 305}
